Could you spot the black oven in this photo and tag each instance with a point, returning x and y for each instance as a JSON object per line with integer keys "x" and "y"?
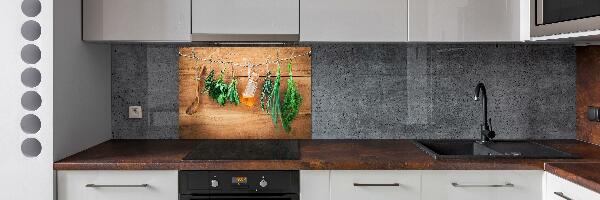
{"x": 238, "y": 185}
{"x": 239, "y": 197}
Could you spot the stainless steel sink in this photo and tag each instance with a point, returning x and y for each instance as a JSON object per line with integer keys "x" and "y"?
{"x": 469, "y": 149}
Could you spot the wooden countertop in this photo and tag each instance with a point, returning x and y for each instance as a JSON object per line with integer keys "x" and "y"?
{"x": 584, "y": 174}
{"x": 314, "y": 155}
{"x": 331, "y": 155}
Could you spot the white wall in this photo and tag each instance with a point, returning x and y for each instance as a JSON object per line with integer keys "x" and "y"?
{"x": 23, "y": 177}
{"x": 82, "y": 109}
{"x": 74, "y": 112}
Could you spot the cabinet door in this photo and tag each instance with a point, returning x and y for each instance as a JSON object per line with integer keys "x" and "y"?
{"x": 136, "y": 20}
{"x": 375, "y": 185}
{"x": 117, "y": 185}
{"x": 482, "y": 185}
{"x": 354, "y": 20}
{"x": 314, "y": 185}
{"x": 468, "y": 21}
{"x": 560, "y": 189}
{"x": 245, "y": 20}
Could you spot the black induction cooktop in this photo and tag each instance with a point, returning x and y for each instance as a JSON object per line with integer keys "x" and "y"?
{"x": 245, "y": 150}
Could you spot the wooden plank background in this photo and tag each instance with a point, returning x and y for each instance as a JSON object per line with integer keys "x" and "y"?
{"x": 213, "y": 121}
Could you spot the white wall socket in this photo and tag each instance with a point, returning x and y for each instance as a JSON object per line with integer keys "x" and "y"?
{"x": 135, "y": 112}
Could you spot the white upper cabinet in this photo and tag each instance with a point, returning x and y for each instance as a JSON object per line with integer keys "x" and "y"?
{"x": 468, "y": 20}
{"x": 307, "y": 20}
{"x": 245, "y": 20}
{"x": 136, "y": 20}
{"x": 354, "y": 20}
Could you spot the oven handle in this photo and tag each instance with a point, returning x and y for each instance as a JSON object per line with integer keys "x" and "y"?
{"x": 192, "y": 197}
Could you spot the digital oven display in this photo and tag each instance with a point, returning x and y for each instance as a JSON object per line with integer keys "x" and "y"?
{"x": 239, "y": 180}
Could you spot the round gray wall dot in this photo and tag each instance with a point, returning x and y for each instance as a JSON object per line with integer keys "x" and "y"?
{"x": 31, "y": 100}
{"x": 31, "y": 77}
{"x": 31, "y": 147}
{"x": 31, "y": 8}
{"x": 31, "y": 54}
{"x": 31, "y": 30}
{"x": 31, "y": 124}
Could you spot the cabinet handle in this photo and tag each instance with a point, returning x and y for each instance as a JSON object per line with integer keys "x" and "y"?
{"x": 562, "y": 195}
{"x": 493, "y": 185}
{"x": 115, "y": 186}
{"x": 376, "y": 184}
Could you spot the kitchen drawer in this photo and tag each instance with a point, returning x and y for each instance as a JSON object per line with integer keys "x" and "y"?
{"x": 482, "y": 185}
{"x": 556, "y": 186}
{"x": 119, "y": 185}
{"x": 386, "y": 185}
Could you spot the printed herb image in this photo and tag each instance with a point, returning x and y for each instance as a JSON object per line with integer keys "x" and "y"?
{"x": 274, "y": 98}
{"x": 291, "y": 102}
{"x": 245, "y": 92}
{"x": 265, "y": 94}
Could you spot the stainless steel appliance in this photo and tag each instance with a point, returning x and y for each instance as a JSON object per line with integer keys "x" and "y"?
{"x": 552, "y": 17}
{"x": 239, "y": 185}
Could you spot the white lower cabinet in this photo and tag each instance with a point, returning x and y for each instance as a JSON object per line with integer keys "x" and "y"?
{"x": 375, "y": 185}
{"x": 560, "y": 189}
{"x": 117, "y": 185}
{"x": 314, "y": 184}
{"x": 482, "y": 185}
{"x": 341, "y": 185}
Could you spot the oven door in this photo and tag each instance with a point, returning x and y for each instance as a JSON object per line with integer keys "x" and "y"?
{"x": 241, "y": 197}
{"x": 552, "y": 17}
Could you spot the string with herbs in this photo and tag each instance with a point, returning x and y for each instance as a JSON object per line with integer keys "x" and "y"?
{"x": 270, "y": 97}
{"x": 217, "y": 61}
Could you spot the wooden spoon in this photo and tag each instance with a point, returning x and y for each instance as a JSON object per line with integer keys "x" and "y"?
{"x": 193, "y": 109}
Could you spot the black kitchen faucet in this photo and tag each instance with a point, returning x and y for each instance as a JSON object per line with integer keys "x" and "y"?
{"x": 487, "y": 134}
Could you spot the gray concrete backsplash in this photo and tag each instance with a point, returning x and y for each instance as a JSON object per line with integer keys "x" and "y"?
{"x": 383, "y": 91}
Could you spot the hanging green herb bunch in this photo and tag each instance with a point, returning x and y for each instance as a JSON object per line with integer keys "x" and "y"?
{"x": 274, "y": 97}
{"x": 265, "y": 94}
{"x": 218, "y": 90}
{"x": 209, "y": 81}
{"x": 291, "y": 103}
{"x": 232, "y": 93}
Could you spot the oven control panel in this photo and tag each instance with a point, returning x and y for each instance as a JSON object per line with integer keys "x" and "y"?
{"x": 235, "y": 182}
